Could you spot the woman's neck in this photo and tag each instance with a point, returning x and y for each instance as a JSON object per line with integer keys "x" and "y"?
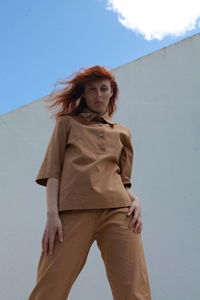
{"x": 88, "y": 109}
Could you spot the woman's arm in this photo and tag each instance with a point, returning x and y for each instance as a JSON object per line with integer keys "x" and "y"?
{"x": 49, "y": 176}
{"x": 53, "y": 222}
{"x": 52, "y": 196}
{"x": 126, "y": 162}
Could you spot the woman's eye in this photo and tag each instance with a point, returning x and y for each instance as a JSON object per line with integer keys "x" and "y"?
{"x": 103, "y": 89}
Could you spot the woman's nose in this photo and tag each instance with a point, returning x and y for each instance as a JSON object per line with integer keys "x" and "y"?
{"x": 99, "y": 92}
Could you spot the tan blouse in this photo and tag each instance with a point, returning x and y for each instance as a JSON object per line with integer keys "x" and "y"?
{"x": 92, "y": 157}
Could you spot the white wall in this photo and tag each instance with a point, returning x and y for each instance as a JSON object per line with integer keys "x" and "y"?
{"x": 159, "y": 101}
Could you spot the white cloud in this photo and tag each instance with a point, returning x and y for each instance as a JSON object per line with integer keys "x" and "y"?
{"x": 156, "y": 19}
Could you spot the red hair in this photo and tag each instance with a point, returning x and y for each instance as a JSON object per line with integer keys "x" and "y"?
{"x": 70, "y": 99}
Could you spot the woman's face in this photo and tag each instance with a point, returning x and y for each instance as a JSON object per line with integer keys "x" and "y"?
{"x": 97, "y": 95}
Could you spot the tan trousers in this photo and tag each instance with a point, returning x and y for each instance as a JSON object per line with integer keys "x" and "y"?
{"x": 121, "y": 250}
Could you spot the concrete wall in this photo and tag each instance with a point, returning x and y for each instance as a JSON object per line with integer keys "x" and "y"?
{"x": 160, "y": 102}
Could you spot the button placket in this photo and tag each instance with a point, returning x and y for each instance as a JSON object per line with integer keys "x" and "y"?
{"x": 101, "y": 147}
{"x": 101, "y": 135}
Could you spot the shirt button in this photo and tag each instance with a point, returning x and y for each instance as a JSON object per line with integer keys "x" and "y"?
{"x": 102, "y": 147}
{"x": 101, "y": 134}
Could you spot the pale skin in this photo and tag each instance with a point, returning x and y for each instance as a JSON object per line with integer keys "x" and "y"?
{"x": 97, "y": 95}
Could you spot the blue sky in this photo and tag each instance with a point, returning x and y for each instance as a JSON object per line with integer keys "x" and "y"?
{"x": 45, "y": 41}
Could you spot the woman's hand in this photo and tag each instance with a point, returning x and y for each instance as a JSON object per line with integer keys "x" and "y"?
{"x": 135, "y": 211}
{"x": 53, "y": 225}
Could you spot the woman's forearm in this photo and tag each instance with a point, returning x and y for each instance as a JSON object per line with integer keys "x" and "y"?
{"x": 52, "y": 196}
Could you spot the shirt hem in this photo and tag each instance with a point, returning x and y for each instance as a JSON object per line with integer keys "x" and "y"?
{"x": 94, "y": 207}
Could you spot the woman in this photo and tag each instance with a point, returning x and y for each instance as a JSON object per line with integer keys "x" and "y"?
{"x": 87, "y": 171}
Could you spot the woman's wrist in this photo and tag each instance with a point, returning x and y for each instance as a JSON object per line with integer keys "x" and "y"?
{"x": 51, "y": 213}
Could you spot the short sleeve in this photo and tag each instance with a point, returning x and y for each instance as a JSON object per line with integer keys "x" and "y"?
{"x": 126, "y": 160}
{"x": 53, "y": 160}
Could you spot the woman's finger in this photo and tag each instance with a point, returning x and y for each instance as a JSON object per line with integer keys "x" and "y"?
{"x": 51, "y": 243}
{"x": 134, "y": 218}
{"x": 43, "y": 237}
{"x": 139, "y": 227}
{"x": 131, "y": 209}
{"x": 46, "y": 244}
{"x": 138, "y": 224}
{"x": 60, "y": 233}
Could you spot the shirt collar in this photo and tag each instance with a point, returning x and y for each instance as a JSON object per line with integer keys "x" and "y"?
{"x": 87, "y": 116}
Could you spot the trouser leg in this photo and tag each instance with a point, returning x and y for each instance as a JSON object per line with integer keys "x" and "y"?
{"x": 57, "y": 272}
{"x": 123, "y": 255}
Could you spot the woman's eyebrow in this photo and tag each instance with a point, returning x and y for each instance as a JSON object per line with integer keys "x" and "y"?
{"x": 91, "y": 85}
{"x": 104, "y": 84}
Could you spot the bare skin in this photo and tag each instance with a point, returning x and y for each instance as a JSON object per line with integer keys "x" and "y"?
{"x": 135, "y": 212}
{"x": 53, "y": 223}
{"x": 97, "y": 95}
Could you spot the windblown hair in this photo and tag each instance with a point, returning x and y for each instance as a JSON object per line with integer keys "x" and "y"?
{"x": 70, "y": 100}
